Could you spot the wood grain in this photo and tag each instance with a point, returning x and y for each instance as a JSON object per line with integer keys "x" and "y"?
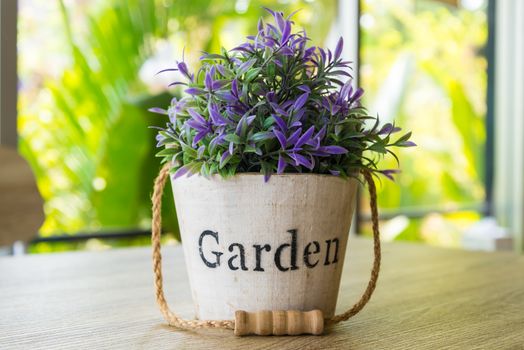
{"x": 279, "y": 322}
{"x": 426, "y": 298}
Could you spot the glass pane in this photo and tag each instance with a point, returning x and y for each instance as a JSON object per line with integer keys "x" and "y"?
{"x": 87, "y": 72}
{"x": 423, "y": 65}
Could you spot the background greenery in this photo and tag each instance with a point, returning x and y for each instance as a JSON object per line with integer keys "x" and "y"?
{"x": 87, "y": 72}
{"x": 422, "y": 63}
{"x": 84, "y": 125}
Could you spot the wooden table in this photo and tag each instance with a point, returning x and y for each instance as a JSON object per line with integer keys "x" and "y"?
{"x": 427, "y": 298}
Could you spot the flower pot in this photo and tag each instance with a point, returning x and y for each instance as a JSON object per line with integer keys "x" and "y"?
{"x": 253, "y": 246}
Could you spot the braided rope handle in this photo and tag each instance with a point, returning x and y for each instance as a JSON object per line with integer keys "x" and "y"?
{"x": 175, "y": 321}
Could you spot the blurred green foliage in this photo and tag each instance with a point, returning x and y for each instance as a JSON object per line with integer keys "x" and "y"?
{"x": 422, "y": 63}
{"x": 83, "y": 125}
{"x": 85, "y": 133}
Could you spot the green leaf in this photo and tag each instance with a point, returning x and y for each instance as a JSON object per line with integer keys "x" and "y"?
{"x": 189, "y": 151}
{"x": 212, "y": 56}
{"x": 167, "y": 152}
{"x": 378, "y": 147}
{"x": 233, "y": 138}
{"x": 404, "y": 137}
{"x": 268, "y": 122}
{"x": 266, "y": 168}
{"x": 262, "y": 136}
{"x": 271, "y": 69}
{"x": 205, "y": 169}
{"x": 245, "y": 68}
{"x": 231, "y": 171}
{"x": 195, "y": 166}
{"x": 252, "y": 74}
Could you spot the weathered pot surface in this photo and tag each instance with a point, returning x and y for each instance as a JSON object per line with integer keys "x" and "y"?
{"x": 251, "y": 245}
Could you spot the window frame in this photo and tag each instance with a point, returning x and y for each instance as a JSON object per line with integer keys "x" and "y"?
{"x": 504, "y": 177}
{"x": 8, "y": 73}
{"x": 485, "y": 208}
{"x": 508, "y": 194}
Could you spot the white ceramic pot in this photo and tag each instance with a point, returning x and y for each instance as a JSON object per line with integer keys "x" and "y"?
{"x": 251, "y": 245}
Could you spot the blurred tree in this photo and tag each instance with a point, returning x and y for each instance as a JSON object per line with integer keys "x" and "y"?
{"x": 422, "y": 64}
{"x": 85, "y": 133}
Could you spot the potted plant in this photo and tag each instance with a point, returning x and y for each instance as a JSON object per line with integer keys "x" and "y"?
{"x": 265, "y": 152}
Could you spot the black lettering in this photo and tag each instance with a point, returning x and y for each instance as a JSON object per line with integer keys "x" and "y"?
{"x": 258, "y": 255}
{"x": 335, "y": 258}
{"x": 293, "y": 247}
{"x": 308, "y": 252}
{"x": 277, "y": 256}
{"x": 217, "y": 254}
{"x": 242, "y": 257}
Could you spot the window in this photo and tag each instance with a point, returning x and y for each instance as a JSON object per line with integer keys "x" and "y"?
{"x": 8, "y": 90}
{"x": 83, "y": 98}
{"x": 424, "y": 63}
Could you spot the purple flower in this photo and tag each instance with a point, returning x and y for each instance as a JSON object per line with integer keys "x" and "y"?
{"x": 286, "y": 51}
{"x": 356, "y": 96}
{"x": 305, "y": 137}
{"x": 309, "y": 52}
{"x": 222, "y": 70}
{"x": 282, "y": 164}
{"x": 388, "y": 128}
{"x": 301, "y": 160}
{"x": 333, "y": 149}
{"x": 407, "y": 144}
{"x": 338, "y": 50}
{"x": 200, "y": 151}
{"x": 280, "y": 122}
{"x": 218, "y": 140}
{"x": 248, "y": 48}
{"x": 216, "y": 116}
{"x": 327, "y": 151}
{"x": 321, "y": 134}
{"x": 209, "y": 81}
{"x": 294, "y": 137}
{"x": 183, "y": 170}
{"x": 194, "y": 91}
{"x": 281, "y": 138}
{"x": 273, "y": 86}
{"x": 158, "y": 110}
{"x": 286, "y": 32}
{"x": 278, "y": 109}
{"x": 301, "y": 101}
{"x": 304, "y": 88}
{"x": 225, "y": 156}
{"x": 176, "y": 108}
{"x": 182, "y": 67}
{"x": 160, "y": 139}
{"x": 200, "y": 124}
{"x": 234, "y": 88}
{"x": 346, "y": 91}
{"x": 389, "y": 173}
{"x": 244, "y": 67}
{"x": 226, "y": 96}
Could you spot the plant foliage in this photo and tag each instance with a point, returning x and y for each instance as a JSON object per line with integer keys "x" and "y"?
{"x": 273, "y": 105}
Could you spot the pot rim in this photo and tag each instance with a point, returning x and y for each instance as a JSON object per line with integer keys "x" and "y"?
{"x": 284, "y": 175}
